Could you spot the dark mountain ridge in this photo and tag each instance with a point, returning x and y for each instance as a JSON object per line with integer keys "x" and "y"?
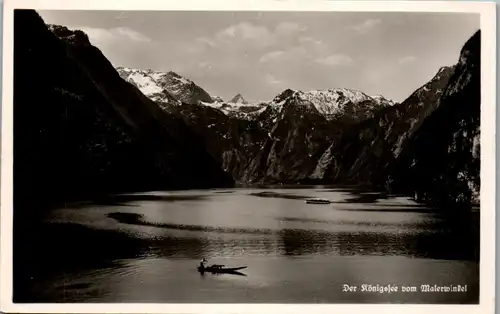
{"x": 426, "y": 147}
{"x": 449, "y": 176}
{"x": 362, "y": 152}
{"x": 81, "y": 130}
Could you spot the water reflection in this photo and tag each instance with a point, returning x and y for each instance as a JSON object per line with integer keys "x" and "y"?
{"x": 126, "y": 199}
{"x": 122, "y": 242}
{"x": 406, "y": 224}
{"x": 280, "y": 195}
{"x": 397, "y": 209}
{"x": 100, "y": 249}
{"x": 299, "y": 242}
{"x": 367, "y": 197}
{"x": 230, "y": 273}
{"x": 138, "y": 219}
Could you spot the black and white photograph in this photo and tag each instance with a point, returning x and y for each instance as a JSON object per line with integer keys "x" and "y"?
{"x": 257, "y": 155}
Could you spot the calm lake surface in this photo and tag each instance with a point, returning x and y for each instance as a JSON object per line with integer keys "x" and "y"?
{"x": 146, "y": 247}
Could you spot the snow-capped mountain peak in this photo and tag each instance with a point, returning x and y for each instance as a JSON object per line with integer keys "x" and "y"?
{"x": 146, "y": 81}
{"x": 238, "y": 99}
{"x": 383, "y": 100}
{"x": 245, "y": 111}
{"x": 217, "y": 99}
{"x": 333, "y": 102}
{"x": 170, "y": 87}
{"x": 178, "y": 78}
{"x": 159, "y": 86}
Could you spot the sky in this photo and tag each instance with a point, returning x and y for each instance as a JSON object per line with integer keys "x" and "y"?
{"x": 260, "y": 54}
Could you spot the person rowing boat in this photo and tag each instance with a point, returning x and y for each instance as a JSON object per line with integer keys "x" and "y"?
{"x": 202, "y": 263}
{"x": 203, "y": 267}
{"x": 219, "y": 269}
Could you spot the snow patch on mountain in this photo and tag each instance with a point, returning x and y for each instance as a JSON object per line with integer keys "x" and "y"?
{"x": 163, "y": 86}
{"x": 237, "y": 107}
{"x": 332, "y": 102}
{"x": 383, "y": 101}
{"x": 145, "y": 83}
{"x": 217, "y": 99}
{"x": 241, "y": 111}
{"x": 182, "y": 80}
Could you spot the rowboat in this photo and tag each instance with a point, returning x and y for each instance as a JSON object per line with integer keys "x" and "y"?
{"x": 221, "y": 270}
{"x": 317, "y": 201}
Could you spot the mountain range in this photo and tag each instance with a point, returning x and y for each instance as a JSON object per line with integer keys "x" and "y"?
{"x": 128, "y": 129}
{"x": 167, "y": 87}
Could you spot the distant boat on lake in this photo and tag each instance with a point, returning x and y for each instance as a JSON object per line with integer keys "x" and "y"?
{"x": 317, "y": 201}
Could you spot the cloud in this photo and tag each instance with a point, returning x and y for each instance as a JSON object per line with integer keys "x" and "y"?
{"x": 310, "y": 41}
{"x": 204, "y": 65}
{"x": 373, "y": 76}
{"x": 247, "y": 36}
{"x": 245, "y": 32}
{"x": 335, "y": 60}
{"x": 99, "y": 35}
{"x": 314, "y": 46}
{"x": 131, "y": 34}
{"x": 407, "y": 60}
{"x": 121, "y": 16}
{"x": 271, "y": 55}
{"x": 280, "y": 60}
{"x": 205, "y": 41}
{"x": 288, "y": 28}
{"x": 366, "y": 26}
{"x": 199, "y": 45}
{"x": 271, "y": 79}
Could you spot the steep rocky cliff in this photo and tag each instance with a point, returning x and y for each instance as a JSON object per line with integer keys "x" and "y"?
{"x": 80, "y": 129}
{"x": 296, "y": 132}
{"x": 426, "y": 147}
{"x": 362, "y": 152}
{"x": 267, "y": 142}
{"x": 233, "y": 141}
{"x": 441, "y": 162}
{"x": 279, "y": 141}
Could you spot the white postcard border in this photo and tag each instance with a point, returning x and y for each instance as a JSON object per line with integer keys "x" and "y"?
{"x": 488, "y": 149}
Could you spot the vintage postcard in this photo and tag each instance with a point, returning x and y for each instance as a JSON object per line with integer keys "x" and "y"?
{"x": 248, "y": 156}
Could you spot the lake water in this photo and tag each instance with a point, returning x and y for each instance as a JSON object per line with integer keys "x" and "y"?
{"x": 146, "y": 247}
